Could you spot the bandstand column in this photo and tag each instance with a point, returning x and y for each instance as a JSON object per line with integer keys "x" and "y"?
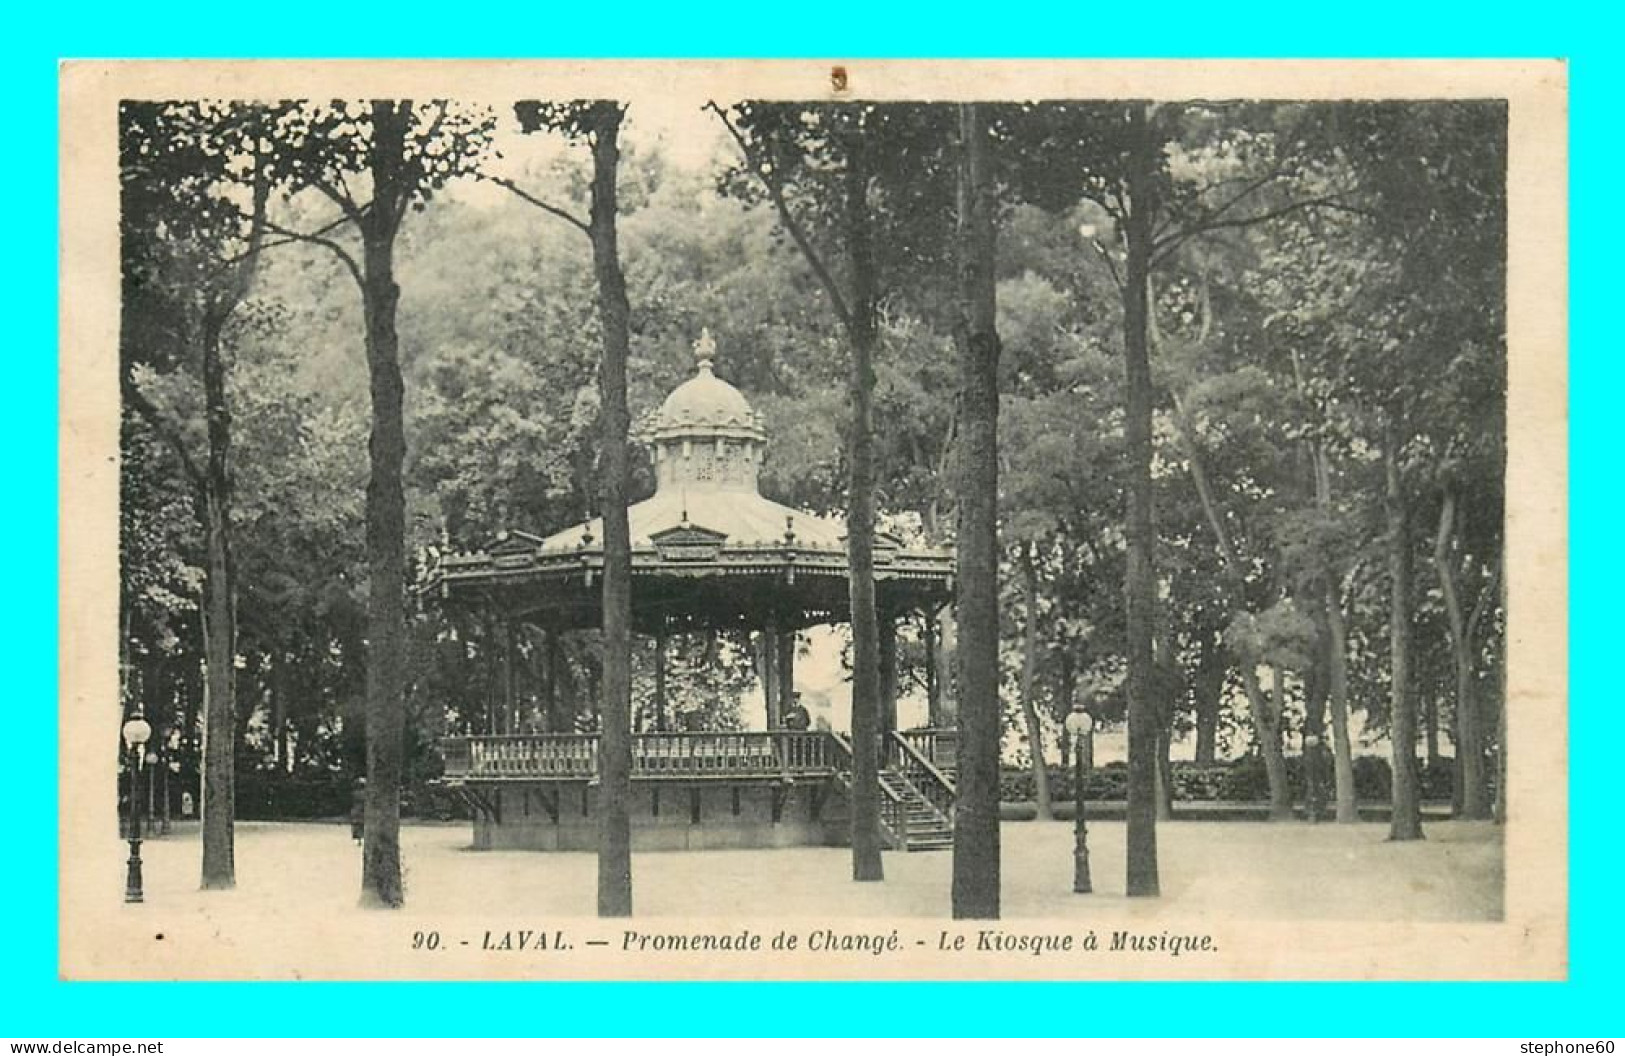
{"x": 510, "y": 705}
{"x": 933, "y": 690}
{"x": 660, "y": 681}
{"x": 550, "y": 681}
{"x": 770, "y": 678}
{"x": 888, "y": 671}
{"x": 787, "y": 673}
{"x": 493, "y": 673}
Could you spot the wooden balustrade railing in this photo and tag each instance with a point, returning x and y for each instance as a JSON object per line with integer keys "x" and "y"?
{"x": 704, "y": 753}
{"x": 530, "y": 755}
{"x": 784, "y": 753}
{"x": 806, "y": 750}
{"x": 939, "y": 745}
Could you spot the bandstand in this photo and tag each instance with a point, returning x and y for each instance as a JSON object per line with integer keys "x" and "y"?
{"x": 709, "y": 552}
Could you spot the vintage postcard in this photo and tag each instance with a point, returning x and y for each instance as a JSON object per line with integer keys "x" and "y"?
{"x": 698, "y": 520}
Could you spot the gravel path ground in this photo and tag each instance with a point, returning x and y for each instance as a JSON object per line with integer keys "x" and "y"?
{"x": 1230, "y": 871}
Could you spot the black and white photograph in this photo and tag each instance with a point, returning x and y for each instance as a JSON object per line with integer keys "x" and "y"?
{"x": 814, "y": 520}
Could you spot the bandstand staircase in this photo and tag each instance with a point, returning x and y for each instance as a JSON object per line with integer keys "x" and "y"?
{"x": 925, "y": 828}
{"x": 916, "y": 798}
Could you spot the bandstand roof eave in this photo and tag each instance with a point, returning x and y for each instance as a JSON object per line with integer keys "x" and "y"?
{"x": 792, "y": 588}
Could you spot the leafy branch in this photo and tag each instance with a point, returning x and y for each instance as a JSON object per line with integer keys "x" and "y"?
{"x": 318, "y": 238}
{"x": 775, "y": 191}
{"x": 547, "y": 207}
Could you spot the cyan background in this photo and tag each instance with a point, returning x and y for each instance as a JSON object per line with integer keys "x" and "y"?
{"x": 35, "y": 36}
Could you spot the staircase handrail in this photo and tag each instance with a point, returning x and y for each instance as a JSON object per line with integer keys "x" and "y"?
{"x": 932, "y": 784}
{"x": 929, "y": 740}
{"x": 925, "y": 764}
{"x": 892, "y": 805}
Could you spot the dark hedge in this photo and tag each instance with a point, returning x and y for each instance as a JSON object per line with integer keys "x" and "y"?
{"x": 1240, "y": 781}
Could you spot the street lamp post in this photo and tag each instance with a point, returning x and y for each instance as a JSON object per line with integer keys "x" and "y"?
{"x": 1079, "y": 724}
{"x": 149, "y": 806}
{"x": 136, "y": 732}
{"x": 1311, "y": 768}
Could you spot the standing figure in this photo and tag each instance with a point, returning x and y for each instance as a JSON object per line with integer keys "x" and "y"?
{"x": 358, "y": 811}
{"x": 796, "y": 717}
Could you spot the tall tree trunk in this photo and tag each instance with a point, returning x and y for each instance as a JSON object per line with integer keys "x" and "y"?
{"x": 215, "y": 300}
{"x": 1170, "y": 690}
{"x": 1266, "y": 723}
{"x": 858, "y": 311}
{"x": 1165, "y": 776}
{"x": 1337, "y": 669}
{"x": 860, "y": 516}
{"x": 278, "y": 677}
{"x": 1208, "y": 687}
{"x": 1068, "y": 688}
{"x": 1435, "y": 693}
{"x": 1475, "y": 801}
{"x": 1501, "y": 747}
{"x": 1337, "y": 700}
{"x": 1406, "y": 823}
{"x": 1430, "y": 730}
{"x": 887, "y": 648}
{"x": 1029, "y": 669}
{"x": 1315, "y": 694}
{"x": 976, "y": 863}
{"x": 164, "y": 799}
{"x": 126, "y": 679}
{"x": 191, "y": 745}
{"x": 386, "y": 514}
{"x": 219, "y": 629}
{"x": 1140, "y": 578}
{"x": 614, "y": 315}
{"x": 1267, "y": 711}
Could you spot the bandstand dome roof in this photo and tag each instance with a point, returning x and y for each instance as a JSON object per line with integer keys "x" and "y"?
{"x": 708, "y": 444}
{"x": 707, "y": 548}
{"x": 705, "y": 405}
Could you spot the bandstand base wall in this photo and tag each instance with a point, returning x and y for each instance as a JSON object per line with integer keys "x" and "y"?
{"x": 665, "y": 816}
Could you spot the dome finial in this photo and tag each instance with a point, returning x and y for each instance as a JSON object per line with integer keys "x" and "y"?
{"x": 705, "y": 349}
